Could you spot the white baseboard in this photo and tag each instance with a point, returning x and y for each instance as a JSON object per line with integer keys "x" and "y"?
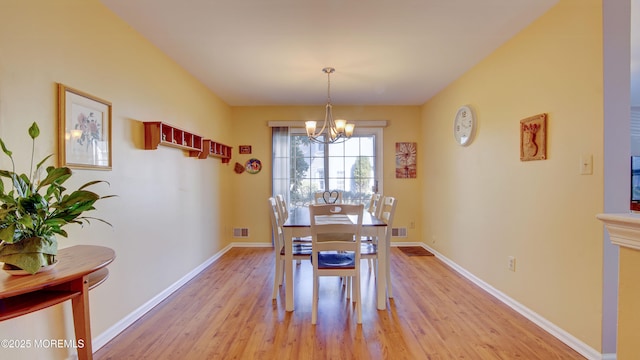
{"x": 570, "y": 340}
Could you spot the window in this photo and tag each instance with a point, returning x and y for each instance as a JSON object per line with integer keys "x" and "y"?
{"x": 352, "y": 167}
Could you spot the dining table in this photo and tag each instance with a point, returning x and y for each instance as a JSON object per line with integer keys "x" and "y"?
{"x": 298, "y": 224}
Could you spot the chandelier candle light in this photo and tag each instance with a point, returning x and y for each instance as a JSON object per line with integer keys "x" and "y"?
{"x": 332, "y": 131}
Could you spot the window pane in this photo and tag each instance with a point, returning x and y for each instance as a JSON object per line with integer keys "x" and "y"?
{"x": 351, "y": 168}
{"x": 352, "y": 146}
{"x": 367, "y": 146}
{"x": 337, "y": 149}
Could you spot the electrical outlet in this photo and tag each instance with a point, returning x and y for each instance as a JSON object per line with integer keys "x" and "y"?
{"x": 412, "y": 225}
{"x": 511, "y": 263}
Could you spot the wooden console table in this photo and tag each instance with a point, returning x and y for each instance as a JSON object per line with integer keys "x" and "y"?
{"x": 80, "y": 268}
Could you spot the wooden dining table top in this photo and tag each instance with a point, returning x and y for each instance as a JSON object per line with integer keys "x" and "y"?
{"x": 299, "y": 217}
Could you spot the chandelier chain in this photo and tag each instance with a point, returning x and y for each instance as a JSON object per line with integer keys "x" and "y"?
{"x": 329, "y": 87}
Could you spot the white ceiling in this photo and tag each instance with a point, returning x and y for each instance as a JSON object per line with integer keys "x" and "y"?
{"x": 386, "y": 52}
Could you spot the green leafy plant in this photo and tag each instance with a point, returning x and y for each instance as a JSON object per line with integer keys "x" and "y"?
{"x": 35, "y": 210}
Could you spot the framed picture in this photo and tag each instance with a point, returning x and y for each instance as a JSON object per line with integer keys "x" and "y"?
{"x": 244, "y": 149}
{"x": 406, "y": 164}
{"x": 84, "y": 130}
{"x": 533, "y": 138}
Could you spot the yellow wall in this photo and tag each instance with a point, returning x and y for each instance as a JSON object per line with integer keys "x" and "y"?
{"x": 476, "y": 205}
{"x": 250, "y": 128}
{"x": 628, "y": 314}
{"x": 482, "y": 204}
{"x": 169, "y": 216}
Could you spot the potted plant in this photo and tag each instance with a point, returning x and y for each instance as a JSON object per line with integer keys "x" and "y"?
{"x": 33, "y": 211}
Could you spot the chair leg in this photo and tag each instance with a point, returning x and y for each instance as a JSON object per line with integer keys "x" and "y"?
{"x": 314, "y": 307}
{"x": 389, "y": 280}
{"x": 348, "y": 287}
{"x": 354, "y": 296}
{"x": 358, "y": 298}
{"x": 375, "y": 266}
{"x": 277, "y": 278}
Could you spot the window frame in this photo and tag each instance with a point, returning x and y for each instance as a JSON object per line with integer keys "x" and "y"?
{"x": 376, "y": 132}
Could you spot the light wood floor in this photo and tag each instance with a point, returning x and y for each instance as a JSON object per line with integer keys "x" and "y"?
{"x": 227, "y": 313}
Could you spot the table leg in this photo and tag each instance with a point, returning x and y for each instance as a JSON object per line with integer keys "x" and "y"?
{"x": 388, "y": 267}
{"x": 81, "y": 323}
{"x": 383, "y": 259}
{"x": 288, "y": 268}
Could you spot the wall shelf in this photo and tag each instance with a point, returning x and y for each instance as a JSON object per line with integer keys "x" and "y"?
{"x": 215, "y": 149}
{"x": 159, "y": 133}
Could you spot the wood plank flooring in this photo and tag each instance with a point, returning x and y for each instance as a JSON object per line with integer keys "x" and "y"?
{"x": 226, "y": 312}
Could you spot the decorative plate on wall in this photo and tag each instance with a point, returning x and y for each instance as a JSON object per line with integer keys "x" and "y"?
{"x": 253, "y": 166}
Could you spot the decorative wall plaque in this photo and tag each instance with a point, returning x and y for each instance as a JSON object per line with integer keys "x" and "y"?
{"x": 406, "y": 164}
{"x": 533, "y": 138}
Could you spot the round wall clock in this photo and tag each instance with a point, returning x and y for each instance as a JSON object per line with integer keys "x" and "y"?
{"x": 464, "y": 125}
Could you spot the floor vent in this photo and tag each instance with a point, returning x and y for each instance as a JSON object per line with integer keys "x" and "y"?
{"x": 240, "y": 232}
{"x": 399, "y": 232}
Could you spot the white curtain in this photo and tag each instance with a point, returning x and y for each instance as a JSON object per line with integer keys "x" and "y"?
{"x": 281, "y": 162}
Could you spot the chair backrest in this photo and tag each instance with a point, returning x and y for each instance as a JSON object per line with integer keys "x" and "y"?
{"x": 282, "y": 208}
{"x": 327, "y": 197}
{"x": 387, "y": 212}
{"x": 276, "y": 224}
{"x": 374, "y": 204}
{"x": 336, "y": 228}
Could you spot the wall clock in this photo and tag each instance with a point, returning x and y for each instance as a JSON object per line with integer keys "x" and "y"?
{"x": 464, "y": 125}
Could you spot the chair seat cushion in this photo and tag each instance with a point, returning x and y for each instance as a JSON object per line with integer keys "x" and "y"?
{"x": 334, "y": 260}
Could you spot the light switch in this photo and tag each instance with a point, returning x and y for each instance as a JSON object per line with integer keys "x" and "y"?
{"x": 586, "y": 164}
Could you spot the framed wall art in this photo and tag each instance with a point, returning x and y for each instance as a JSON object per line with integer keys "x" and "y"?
{"x": 533, "y": 138}
{"x": 244, "y": 149}
{"x": 84, "y": 130}
{"x": 406, "y": 164}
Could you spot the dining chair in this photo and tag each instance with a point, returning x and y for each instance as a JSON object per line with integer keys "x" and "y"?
{"x": 387, "y": 213}
{"x": 368, "y": 246}
{"x": 327, "y": 197}
{"x": 335, "y": 248}
{"x": 374, "y": 204}
{"x": 282, "y": 208}
{"x": 331, "y": 197}
{"x": 300, "y": 251}
{"x": 284, "y": 215}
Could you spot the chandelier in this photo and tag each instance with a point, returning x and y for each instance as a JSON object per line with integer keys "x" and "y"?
{"x": 332, "y": 131}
